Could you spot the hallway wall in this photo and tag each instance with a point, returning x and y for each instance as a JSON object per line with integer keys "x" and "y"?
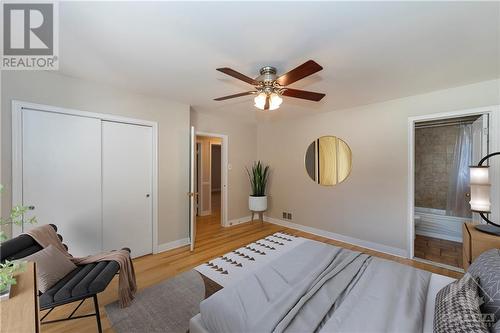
{"x": 205, "y": 174}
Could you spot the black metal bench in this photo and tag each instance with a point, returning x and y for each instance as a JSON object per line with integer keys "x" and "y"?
{"x": 86, "y": 281}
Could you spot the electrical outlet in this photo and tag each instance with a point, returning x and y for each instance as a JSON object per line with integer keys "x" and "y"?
{"x": 289, "y": 216}
{"x": 284, "y": 215}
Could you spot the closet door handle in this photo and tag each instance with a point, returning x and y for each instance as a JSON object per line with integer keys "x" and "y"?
{"x": 147, "y": 195}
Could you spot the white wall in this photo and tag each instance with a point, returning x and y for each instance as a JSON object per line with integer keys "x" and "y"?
{"x": 173, "y": 134}
{"x": 371, "y": 204}
{"x": 242, "y": 151}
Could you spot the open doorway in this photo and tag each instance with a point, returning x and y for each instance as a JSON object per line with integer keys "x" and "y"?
{"x": 210, "y": 182}
{"x": 443, "y": 149}
{"x": 215, "y": 183}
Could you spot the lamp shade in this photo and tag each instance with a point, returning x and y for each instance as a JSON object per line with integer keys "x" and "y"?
{"x": 480, "y": 189}
{"x": 260, "y": 101}
{"x": 479, "y": 175}
{"x": 275, "y": 101}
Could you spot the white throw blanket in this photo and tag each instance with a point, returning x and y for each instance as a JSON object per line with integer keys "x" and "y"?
{"x": 235, "y": 265}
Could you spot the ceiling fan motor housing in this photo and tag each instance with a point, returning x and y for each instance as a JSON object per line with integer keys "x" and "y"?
{"x": 267, "y": 74}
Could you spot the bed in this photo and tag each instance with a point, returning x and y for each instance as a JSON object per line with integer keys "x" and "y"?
{"x": 353, "y": 291}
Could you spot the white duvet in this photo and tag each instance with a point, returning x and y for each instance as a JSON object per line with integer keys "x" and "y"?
{"x": 389, "y": 297}
{"x": 321, "y": 288}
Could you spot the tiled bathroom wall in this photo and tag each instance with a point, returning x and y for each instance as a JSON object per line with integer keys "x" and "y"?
{"x": 434, "y": 147}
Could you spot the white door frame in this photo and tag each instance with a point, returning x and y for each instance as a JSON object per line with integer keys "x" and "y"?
{"x": 224, "y": 166}
{"x": 494, "y": 145}
{"x": 17, "y": 175}
{"x": 191, "y": 193}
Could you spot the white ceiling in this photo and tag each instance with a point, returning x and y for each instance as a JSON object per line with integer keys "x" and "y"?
{"x": 370, "y": 51}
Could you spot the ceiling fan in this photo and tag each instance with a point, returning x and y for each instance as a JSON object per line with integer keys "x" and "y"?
{"x": 269, "y": 87}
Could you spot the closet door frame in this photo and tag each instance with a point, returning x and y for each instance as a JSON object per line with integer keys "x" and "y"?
{"x": 17, "y": 153}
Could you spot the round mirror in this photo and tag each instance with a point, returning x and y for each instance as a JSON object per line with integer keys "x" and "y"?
{"x": 328, "y": 160}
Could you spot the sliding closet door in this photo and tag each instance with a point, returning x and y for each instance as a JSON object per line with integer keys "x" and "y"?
{"x": 127, "y": 154}
{"x": 61, "y": 176}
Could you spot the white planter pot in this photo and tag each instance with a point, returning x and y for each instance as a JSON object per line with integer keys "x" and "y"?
{"x": 257, "y": 204}
{"x": 5, "y": 295}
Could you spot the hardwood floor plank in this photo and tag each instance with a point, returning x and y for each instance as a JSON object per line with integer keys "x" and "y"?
{"x": 439, "y": 250}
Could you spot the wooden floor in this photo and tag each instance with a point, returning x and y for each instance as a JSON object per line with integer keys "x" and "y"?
{"x": 439, "y": 250}
{"x": 212, "y": 240}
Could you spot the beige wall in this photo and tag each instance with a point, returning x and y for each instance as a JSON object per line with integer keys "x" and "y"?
{"x": 173, "y": 125}
{"x": 242, "y": 151}
{"x": 371, "y": 204}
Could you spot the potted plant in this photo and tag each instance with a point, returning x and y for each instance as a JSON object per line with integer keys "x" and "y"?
{"x": 7, "y": 271}
{"x": 9, "y": 268}
{"x": 257, "y": 201}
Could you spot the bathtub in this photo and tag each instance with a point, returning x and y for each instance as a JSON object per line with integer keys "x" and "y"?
{"x": 435, "y": 223}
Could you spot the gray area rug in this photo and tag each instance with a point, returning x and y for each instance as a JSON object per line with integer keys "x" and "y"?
{"x": 165, "y": 307}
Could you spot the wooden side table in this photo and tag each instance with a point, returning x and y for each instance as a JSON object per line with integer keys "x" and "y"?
{"x": 476, "y": 242}
{"x": 20, "y": 312}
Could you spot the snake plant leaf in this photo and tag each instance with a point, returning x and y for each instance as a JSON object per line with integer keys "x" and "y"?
{"x": 258, "y": 176}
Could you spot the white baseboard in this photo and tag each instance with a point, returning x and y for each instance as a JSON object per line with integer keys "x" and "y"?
{"x": 346, "y": 239}
{"x": 240, "y": 220}
{"x": 172, "y": 245}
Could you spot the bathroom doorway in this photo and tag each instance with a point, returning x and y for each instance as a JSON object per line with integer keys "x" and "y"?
{"x": 443, "y": 150}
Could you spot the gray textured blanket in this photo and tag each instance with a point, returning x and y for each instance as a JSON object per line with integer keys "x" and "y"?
{"x": 305, "y": 291}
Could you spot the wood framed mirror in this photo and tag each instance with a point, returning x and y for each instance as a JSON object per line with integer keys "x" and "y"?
{"x": 328, "y": 160}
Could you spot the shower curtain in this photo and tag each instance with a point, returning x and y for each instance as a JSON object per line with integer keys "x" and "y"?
{"x": 458, "y": 184}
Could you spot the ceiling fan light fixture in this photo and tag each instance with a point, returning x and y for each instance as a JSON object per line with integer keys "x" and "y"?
{"x": 275, "y": 101}
{"x": 260, "y": 100}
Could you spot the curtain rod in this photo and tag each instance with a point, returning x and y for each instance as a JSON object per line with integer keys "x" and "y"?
{"x": 443, "y": 123}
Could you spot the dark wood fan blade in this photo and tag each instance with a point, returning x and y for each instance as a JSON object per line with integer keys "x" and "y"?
{"x": 309, "y": 95}
{"x": 306, "y": 69}
{"x": 237, "y": 75}
{"x": 266, "y": 106}
{"x": 235, "y": 95}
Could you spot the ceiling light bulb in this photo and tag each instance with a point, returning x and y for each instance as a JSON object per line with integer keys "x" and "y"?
{"x": 260, "y": 100}
{"x": 275, "y": 101}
